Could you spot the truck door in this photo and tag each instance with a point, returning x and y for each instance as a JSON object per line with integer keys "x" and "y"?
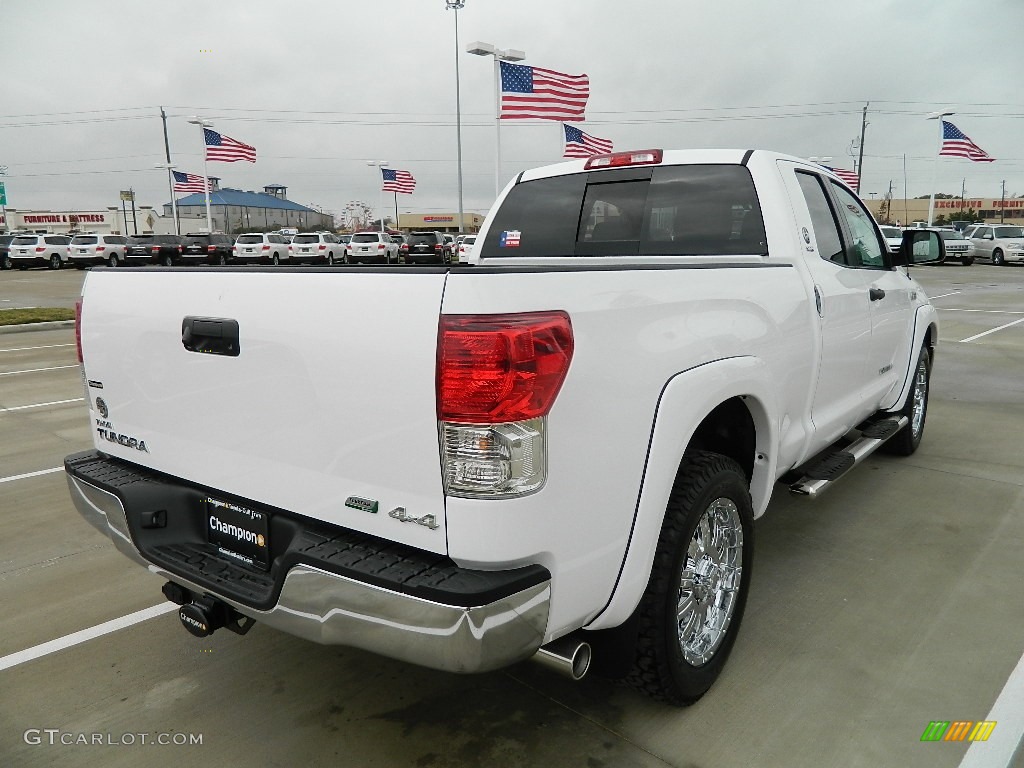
{"x": 846, "y": 388}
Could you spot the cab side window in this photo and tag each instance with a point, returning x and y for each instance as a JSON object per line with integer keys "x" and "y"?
{"x": 867, "y": 249}
{"x": 823, "y": 221}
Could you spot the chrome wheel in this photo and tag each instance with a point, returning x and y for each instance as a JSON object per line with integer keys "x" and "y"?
{"x": 920, "y": 396}
{"x": 710, "y": 581}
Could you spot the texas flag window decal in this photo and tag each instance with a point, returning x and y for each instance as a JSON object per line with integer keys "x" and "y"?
{"x": 510, "y": 239}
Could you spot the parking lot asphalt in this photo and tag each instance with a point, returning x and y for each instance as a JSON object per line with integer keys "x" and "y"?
{"x": 892, "y": 601}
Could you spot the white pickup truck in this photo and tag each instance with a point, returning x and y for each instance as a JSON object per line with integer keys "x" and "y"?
{"x": 557, "y": 452}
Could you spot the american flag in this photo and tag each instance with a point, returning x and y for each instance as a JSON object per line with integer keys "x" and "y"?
{"x": 188, "y": 182}
{"x": 955, "y": 143}
{"x": 580, "y": 144}
{"x": 397, "y": 181}
{"x": 226, "y": 149}
{"x": 542, "y": 93}
{"x": 849, "y": 177}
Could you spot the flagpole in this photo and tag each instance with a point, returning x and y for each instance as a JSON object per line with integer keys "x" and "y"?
{"x": 935, "y": 170}
{"x": 396, "y": 210}
{"x": 203, "y": 125}
{"x": 497, "y": 127}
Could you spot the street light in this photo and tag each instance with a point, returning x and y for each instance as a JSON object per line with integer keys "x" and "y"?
{"x": 203, "y": 125}
{"x": 457, "y": 5}
{"x": 511, "y": 54}
{"x": 170, "y": 188}
{"x": 935, "y": 173}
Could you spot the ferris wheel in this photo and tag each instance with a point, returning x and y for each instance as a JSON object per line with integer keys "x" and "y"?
{"x": 358, "y": 215}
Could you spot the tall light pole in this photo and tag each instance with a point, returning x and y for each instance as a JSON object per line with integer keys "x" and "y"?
{"x": 203, "y": 125}
{"x": 457, "y": 5}
{"x": 170, "y": 188}
{"x": 935, "y": 172}
{"x": 380, "y": 197}
{"x": 487, "y": 49}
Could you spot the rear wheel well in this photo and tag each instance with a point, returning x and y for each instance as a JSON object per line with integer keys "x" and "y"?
{"x": 728, "y": 430}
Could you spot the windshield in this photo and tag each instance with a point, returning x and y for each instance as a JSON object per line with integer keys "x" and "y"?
{"x": 249, "y": 239}
{"x": 1009, "y": 231}
{"x": 25, "y": 240}
{"x": 306, "y": 239}
{"x": 945, "y": 234}
{"x": 891, "y": 232}
{"x": 364, "y": 238}
{"x": 84, "y": 240}
{"x": 140, "y": 240}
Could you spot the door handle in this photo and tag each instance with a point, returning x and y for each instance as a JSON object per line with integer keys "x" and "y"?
{"x": 876, "y": 293}
{"x": 210, "y": 335}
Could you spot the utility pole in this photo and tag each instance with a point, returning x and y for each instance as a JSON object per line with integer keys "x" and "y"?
{"x": 963, "y": 191}
{"x": 1002, "y": 204}
{"x": 170, "y": 186}
{"x": 860, "y": 159}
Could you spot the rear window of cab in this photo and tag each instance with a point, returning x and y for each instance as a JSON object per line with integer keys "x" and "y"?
{"x": 666, "y": 210}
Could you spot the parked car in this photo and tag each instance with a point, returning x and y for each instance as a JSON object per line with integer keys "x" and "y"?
{"x": 261, "y": 248}
{"x": 427, "y": 248}
{"x": 316, "y": 248}
{"x": 893, "y": 237}
{"x": 372, "y": 248}
{"x": 39, "y": 251}
{"x": 85, "y": 250}
{"x": 153, "y": 249}
{"x": 5, "y": 251}
{"x": 466, "y": 248}
{"x": 958, "y": 247}
{"x": 999, "y": 242}
{"x": 213, "y": 248}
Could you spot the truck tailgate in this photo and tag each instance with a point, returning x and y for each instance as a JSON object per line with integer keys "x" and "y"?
{"x": 331, "y": 395}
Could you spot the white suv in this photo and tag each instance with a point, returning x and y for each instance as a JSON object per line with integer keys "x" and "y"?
{"x": 260, "y": 248}
{"x": 999, "y": 242}
{"x": 97, "y": 249}
{"x": 316, "y": 248}
{"x": 372, "y": 248}
{"x": 39, "y": 250}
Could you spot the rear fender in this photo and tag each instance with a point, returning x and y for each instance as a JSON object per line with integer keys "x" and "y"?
{"x": 685, "y": 402}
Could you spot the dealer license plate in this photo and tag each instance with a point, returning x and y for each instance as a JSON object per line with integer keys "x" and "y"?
{"x": 238, "y": 532}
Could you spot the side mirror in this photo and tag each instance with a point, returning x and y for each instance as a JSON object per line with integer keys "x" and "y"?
{"x": 920, "y": 246}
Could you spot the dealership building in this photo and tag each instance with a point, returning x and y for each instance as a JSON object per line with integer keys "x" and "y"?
{"x": 232, "y": 210}
{"x": 987, "y": 209}
{"x": 439, "y": 222}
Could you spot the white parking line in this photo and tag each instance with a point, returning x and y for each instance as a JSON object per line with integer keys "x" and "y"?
{"x": 986, "y": 311}
{"x": 943, "y": 295}
{"x": 45, "y": 649}
{"x": 992, "y": 330}
{"x": 43, "y": 405}
{"x": 41, "y": 346}
{"x": 12, "y": 478}
{"x": 39, "y": 370}
{"x": 1008, "y": 713}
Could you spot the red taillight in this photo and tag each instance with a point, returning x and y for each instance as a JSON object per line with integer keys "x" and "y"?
{"x": 100, "y": 248}
{"x": 40, "y": 250}
{"x": 322, "y": 248}
{"x": 211, "y": 248}
{"x": 267, "y": 247}
{"x": 78, "y": 330}
{"x": 501, "y": 368}
{"x": 437, "y": 247}
{"x": 380, "y": 246}
{"x": 619, "y": 159}
{"x": 155, "y": 249}
{"x": 404, "y": 247}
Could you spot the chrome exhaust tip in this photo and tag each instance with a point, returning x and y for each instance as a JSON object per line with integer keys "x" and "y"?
{"x": 566, "y": 655}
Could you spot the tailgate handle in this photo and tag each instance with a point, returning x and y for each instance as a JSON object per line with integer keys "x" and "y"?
{"x": 210, "y": 335}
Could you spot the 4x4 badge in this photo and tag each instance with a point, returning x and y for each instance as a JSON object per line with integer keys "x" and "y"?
{"x": 401, "y": 515}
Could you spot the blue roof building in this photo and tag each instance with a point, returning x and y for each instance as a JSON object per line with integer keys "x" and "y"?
{"x": 233, "y": 210}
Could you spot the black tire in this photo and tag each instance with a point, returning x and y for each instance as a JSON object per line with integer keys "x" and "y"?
{"x": 906, "y": 441}
{"x": 708, "y": 486}
{"x": 167, "y": 261}
{"x": 330, "y": 259}
{"x": 112, "y": 260}
{"x": 55, "y": 262}
{"x": 997, "y": 258}
{"x": 223, "y": 260}
{"x": 968, "y": 261}
{"x": 6, "y": 264}
{"x": 275, "y": 260}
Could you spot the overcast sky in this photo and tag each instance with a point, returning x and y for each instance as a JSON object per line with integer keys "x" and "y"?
{"x": 319, "y": 88}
